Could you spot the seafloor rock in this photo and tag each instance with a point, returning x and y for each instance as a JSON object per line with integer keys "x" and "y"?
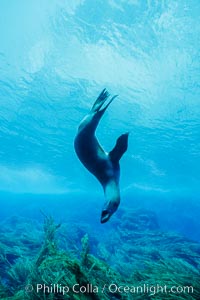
{"x": 138, "y": 220}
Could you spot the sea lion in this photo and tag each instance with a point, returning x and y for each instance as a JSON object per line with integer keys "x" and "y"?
{"x": 104, "y": 166}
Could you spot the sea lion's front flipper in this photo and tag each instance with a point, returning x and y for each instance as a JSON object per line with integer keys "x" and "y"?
{"x": 120, "y": 147}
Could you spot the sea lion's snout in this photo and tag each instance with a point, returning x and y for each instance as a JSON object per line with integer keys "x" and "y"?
{"x": 105, "y": 216}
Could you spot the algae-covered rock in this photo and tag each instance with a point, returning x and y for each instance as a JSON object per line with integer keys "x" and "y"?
{"x": 55, "y": 274}
{"x": 125, "y": 258}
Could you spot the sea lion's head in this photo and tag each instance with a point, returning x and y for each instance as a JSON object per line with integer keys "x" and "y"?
{"x": 112, "y": 195}
{"x": 109, "y": 210}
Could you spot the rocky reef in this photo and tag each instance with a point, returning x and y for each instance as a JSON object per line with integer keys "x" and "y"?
{"x": 131, "y": 259}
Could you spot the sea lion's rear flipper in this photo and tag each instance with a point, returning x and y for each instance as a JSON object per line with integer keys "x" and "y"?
{"x": 120, "y": 147}
{"x": 100, "y": 102}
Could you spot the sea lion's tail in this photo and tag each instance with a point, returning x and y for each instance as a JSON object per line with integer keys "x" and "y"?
{"x": 120, "y": 148}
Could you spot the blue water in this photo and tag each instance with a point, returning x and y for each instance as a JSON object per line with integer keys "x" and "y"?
{"x": 55, "y": 58}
